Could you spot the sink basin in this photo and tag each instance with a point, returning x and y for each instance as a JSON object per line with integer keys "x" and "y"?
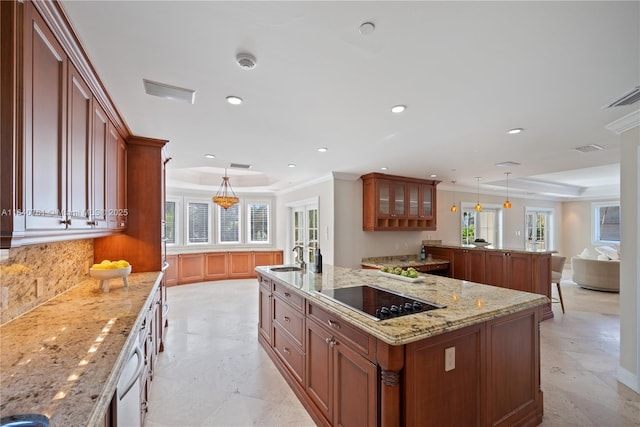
{"x": 24, "y": 420}
{"x": 285, "y": 268}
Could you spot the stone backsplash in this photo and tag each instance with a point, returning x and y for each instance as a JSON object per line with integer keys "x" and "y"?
{"x": 59, "y": 266}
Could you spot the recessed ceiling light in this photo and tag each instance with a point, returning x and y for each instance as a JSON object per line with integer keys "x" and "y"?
{"x": 384, "y": 168}
{"x": 292, "y": 165}
{"x": 210, "y": 156}
{"x": 323, "y": 149}
{"x": 234, "y": 100}
{"x": 398, "y": 108}
{"x": 433, "y": 175}
{"x": 514, "y": 131}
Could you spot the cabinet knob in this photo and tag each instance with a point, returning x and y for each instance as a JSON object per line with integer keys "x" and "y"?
{"x": 286, "y": 350}
{"x": 330, "y": 341}
{"x": 286, "y": 319}
{"x": 287, "y": 294}
{"x": 65, "y": 221}
{"x": 92, "y": 222}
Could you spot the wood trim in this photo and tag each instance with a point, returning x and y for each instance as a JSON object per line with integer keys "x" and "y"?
{"x": 144, "y": 141}
{"x": 377, "y": 175}
{"x": 55, "y": 17}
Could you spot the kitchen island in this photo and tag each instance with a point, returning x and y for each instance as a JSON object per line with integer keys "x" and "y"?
{"x": 63, "y": 359}
{"x": 475, "y": 362}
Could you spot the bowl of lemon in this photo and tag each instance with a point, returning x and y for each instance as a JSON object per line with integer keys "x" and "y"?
{"x": 107, "y": 270}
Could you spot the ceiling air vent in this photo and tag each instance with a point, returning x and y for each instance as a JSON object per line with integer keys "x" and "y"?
{"x": 626, "y": 99}
{"x": 169, "y": 92}
{"x": 589, "y": 148}
{"x": 507, "y": 164}
{"x": 239, "y": 166}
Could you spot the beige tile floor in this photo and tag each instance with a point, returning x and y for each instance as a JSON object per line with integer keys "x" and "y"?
{"x": 214, "y": 373}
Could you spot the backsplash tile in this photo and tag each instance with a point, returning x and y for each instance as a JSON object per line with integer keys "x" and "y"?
{"x": 61, "y": 265}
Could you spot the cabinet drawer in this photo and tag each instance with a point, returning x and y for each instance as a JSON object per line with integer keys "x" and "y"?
{"x": 289, "y": 319}
{"x": 288, "y": 352}
{"x": 285, "y": 293}
{"x": 360, "y": 340}
{"x": 264, "y": 282}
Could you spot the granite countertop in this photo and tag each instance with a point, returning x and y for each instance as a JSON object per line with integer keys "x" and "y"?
{"x": 467, "y": 303}
{"x": 493, "y": 248}
{"x": 63, "y": 359}
{"x": 402, "y": 261}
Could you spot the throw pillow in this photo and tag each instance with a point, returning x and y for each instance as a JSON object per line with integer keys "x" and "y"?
{"x": 603, "y": 258}
{"x": 585, "y": 254}
{"x": 608, "y": 251}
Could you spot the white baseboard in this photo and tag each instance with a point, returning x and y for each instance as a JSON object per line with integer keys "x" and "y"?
{"x": 629, "y": 379}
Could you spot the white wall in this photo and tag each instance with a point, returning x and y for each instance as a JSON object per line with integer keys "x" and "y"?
{"x": 629, "y": 369}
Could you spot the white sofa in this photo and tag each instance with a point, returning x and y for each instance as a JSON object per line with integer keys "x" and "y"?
{"x": 596, "y": 274}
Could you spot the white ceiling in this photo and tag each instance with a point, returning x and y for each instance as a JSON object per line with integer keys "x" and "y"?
{"x": 467, "y": 72}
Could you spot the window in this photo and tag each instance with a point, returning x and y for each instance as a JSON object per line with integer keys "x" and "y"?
{"x": 170, "y": 222}
{"x": 229, "y": 224}
{"x": 607, "y": 222}
{"x": 480, "y": 225}
{"x": 538, "y": 223}
{"x": 198, "y": 222}
{"x": 306, "y": 229}
{"x": 258, "y": 222}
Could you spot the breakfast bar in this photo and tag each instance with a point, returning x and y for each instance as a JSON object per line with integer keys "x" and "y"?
{"x": 475, "y": 361}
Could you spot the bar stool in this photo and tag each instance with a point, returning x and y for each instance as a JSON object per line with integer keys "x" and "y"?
{"x": 557, "y": 264}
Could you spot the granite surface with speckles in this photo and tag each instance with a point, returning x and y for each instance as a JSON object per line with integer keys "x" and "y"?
{"x": 402, "y": 261}
{"x": 63, "y": 359}
{"x": 467, "y": 303}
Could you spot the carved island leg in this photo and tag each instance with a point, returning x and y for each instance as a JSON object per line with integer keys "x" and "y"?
{"x": 391, "y": 361}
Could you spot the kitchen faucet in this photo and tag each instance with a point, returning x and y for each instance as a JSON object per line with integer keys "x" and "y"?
{"x": 299, "y": 250}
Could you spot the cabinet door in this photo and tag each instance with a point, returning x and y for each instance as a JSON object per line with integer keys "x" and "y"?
{"x": 240, "y": 265}
{"x": 459, "y": 264}
{"x": 495, "y": 269}
{"x": 215, "y": 266}
{"x": 79, "y": 152}
{"x": 262, "y": 259}
{"x": 171, "y": 273}
{"x": 45, "y": 80}
{"x": 116, "y": 179}
{"x": 319, "y": 381}
{"x": 190, "y": 268}
{"x": 476, "y": 266}
{"x": 264, "y": 309}
{"x": 426, "y": 201}
{"x": 399, "y": 200}
{"x": 355, "y": 390}
{"x": 121, "y": 186}
{"x": 383, "y": 193}
{"x": 99, "y": 167}
{"x": 520, "y": 272}
{"x": 414, "y": 200}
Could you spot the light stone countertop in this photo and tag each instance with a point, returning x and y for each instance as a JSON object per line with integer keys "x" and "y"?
{"x": 402, "y": 261}
{"x": 467, "y": 303}
{"x": 63, "y": 359}
{"x": 492, "y": 248}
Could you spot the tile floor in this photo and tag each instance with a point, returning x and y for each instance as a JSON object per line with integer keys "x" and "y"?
{"x": 214, "y": 373}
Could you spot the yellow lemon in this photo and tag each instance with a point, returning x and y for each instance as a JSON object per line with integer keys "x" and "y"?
{"x": 105, "y": 262}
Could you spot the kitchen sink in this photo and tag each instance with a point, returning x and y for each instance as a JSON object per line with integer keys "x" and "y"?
{"x": 285, "y": 268}
{"x": 24, "y": 420}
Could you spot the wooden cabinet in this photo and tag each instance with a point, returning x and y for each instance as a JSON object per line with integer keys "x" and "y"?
{"x": 341, "y": 381}
{"x": 98, "y": 217}
{"x": 264, "y": 310}
{"x": 240, "y": 265}
{"x": 116, "y": 177}
{"x": 171, "y": 273}
{"x": 190, "y": 268}
{"x": 216, "y": 266}
{"x": 263, "y": 258}
{"x": 468, "y": 264}
{"x": 150, "y": 341}
{"x": 398, "y": 203}
{"x": 509, "y": 270}
{"x": 45, "y": 127}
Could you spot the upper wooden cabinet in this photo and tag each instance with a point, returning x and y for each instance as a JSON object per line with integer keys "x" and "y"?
{"x": 398, "y": 203}
{"x": 67, "y": 160}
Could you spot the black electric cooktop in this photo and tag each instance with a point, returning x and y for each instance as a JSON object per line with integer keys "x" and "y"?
{"x": 379, "y": 303}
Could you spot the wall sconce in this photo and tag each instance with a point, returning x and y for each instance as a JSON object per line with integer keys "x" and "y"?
{"x": 507, "y": 203}
{"x": 454, "y": 207}
{"x": 478, "y": 206}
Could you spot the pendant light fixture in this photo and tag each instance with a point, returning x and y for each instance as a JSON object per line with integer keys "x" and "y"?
{"x": 225, "y": 197}
{"x": 454, "y": 207}
{"x": 507, "y": 203}
{"x": 478, "y": 206}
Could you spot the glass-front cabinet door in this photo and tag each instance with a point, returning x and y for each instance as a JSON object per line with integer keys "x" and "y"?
{"x": 384, "y": 198}
{"x": 399, "y": 205}
{"x": 426, "y": 208}
{"x": 414, "y": 200}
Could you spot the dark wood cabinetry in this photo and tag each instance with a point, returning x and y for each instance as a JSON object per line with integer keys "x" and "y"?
{"x": 398, "y": 203}
{"x": 468, "y": 265}
{"x": 522, "y": 271}
{"x": 264, "y": 309}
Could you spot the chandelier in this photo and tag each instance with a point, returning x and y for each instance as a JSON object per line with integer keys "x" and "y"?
{"x": 225, "y": 197}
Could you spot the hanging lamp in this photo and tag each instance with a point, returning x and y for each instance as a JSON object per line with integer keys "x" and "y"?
{"x": 454, "y": 207}
{"x": 478, "y": 206}
{"x": 225, "y": 197}
{"x": 507, "y": 203}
